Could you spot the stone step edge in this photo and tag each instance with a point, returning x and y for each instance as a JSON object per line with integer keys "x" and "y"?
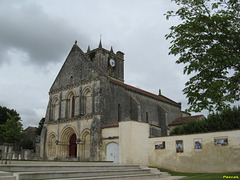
{"x": 43, "y": 169}
{"x": 51, "y": 175}
{"x": 138, "y": 176}
{"x": 83, "y": 170}
{"x": 36, "y": 168}
{"x": 67, "y": 172}
{"x": 7, "y": 177}
{"x": 67, "y": 165}
{"x": 3, "y": 173}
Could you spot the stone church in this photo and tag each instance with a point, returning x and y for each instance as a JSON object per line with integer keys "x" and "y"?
{"x": 88, "y": 96}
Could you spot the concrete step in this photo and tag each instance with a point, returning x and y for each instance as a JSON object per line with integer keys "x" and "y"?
{"x": 165, "y": 174}
{"x": 73, "y": 174}
{"x": 88, "y": 171}
{"x": 52, "y": 167}
{"x": 7, "y": 178}
{"x": 2, "y": 173}
{"x": 122, "y": 177}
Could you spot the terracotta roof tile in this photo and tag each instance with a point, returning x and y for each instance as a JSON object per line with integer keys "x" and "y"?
{"x": 116, "y": 124}
{"x": 184, "y": 120}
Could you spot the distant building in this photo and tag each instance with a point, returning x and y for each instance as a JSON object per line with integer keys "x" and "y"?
{"x": 183, "y": 120}
{"x": 30, "y": 134}
{"x": 89, "y": 95}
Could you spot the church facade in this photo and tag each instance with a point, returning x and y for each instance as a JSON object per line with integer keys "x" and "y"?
{"x": 88, "y": 96}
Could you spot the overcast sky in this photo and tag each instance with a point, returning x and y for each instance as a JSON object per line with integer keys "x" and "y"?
{"x": 36, "y": 37}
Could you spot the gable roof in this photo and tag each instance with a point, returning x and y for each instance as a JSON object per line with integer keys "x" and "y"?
{"x": 77, "y": 66}
{"x": 145, "y": 93}
{"x": 184, "y": 120}
{"x": 30, "y": 128}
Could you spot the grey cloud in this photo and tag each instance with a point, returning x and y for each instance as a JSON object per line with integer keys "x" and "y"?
{"x": 29, "y": 29}
{"x": 29, "y": 116}
{"x": 27, "y": 111}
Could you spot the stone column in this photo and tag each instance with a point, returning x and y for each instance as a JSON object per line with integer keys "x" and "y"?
{"x": 66, "y": 150}
{"x": 78, "y": 151}
{"x": 81, "y": 149}
{"x": 57, "y": 148}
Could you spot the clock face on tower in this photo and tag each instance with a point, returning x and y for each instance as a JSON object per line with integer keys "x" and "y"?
{"x": 112, "y": 62}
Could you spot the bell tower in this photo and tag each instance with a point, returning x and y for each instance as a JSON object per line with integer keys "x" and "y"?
{"x": 107, "y": 61}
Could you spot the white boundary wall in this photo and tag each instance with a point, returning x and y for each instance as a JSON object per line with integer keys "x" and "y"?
{"x": 135, "y": 147}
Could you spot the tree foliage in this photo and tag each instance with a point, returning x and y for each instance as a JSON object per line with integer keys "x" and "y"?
{"x": 208, "y": 44}
{"x": 10, "y": 127}
{"x": 227, "y": 119}
{"x": 11, "y": 130}
{"x": 27, "y": 144}
{"x": 4, "y": 116}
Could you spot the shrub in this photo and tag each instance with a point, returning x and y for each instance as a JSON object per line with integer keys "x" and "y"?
{"x": 27, "y": 144}
{"x": 227, "y": 119}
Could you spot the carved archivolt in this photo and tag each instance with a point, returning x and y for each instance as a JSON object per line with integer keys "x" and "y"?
{"x": 66, "y": 133}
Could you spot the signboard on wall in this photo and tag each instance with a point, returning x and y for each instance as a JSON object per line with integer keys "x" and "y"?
{"x": 160, "y": 145}
{"x": 198, "y": 146}
{"x": 179, "y": 146}
{"x": 221, "y": 141}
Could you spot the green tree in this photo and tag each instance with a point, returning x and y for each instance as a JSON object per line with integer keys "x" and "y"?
{"x": 11, "y": 131}
{"x": 27, "y": 144}
{"x": 207, "y": 42}
{"x": 4, "y": 116}
{"x": 7, "y": 116}
{"x": 40, "y": 126}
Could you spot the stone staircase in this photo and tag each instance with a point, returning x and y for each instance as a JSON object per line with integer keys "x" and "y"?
{"x": 6, "y": 176}
{"x": 74, "y": 172}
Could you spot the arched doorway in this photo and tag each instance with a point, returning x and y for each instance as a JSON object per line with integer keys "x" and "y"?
{"x": 73, "y": 146}
{"x": 68, "y": 146}
{"x": 113, "y": 152}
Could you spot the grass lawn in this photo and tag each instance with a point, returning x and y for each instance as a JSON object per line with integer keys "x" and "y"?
{"x": 204, "y": 176}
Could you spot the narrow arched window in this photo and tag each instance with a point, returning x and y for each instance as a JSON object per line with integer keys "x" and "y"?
{"x": 73, "y": 106}
{"x": 55, "y": 109}
{"x": 71, "y": 79}
{"x": 87, "y": 101}
{"x": 70, "y": 105}
{"x": 119, "y": 112}
{"x": 146, "y": 117}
